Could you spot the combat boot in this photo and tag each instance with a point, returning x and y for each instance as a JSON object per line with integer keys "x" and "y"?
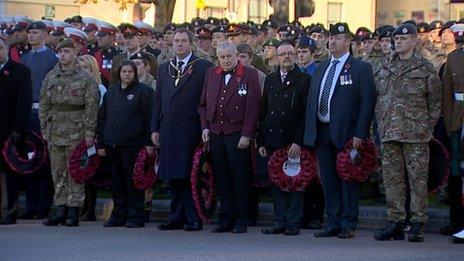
{"x": 56, "y": 217}
{"x": 394, "y": 230}
{"x": 73, "y": 217}
{"x": 416, "y": 234}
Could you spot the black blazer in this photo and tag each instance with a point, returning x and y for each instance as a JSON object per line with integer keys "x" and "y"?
{"x": 15, "y": 98}
{"x": 351, "y": 107}
{"x": 283, "y": 106}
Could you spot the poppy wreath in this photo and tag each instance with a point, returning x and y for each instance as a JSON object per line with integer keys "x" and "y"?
{"x": 361, "y": 171}
{"x": 81, "y": 168}
{"x": 308, "y": 172}
{"x": 202, "y": 181}
{"x": 144, "y": 170}
{"x": 439, "y": 166}
{"x": 18, "y": 161}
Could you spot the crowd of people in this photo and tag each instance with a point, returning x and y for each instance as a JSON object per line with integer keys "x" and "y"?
{"x": 246, "y": 91}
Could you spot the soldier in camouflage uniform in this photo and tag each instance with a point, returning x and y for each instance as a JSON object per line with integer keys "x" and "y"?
{"x": 319, "y": 33}
{"x": 436, "y": 56}
{"x": 68, "y": 113}
{"x": 142, "y": 60}
{"x": 408, "y": 107}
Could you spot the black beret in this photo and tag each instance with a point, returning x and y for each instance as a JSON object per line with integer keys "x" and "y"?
{"x": 405, "y": 29}
{"x": 169, "y": 27}
{"x": 339, "y": 28}
{"x": 271, "y": 23}
{"x": 436, "y": 24}
{"x": 317, "y": 29}
{"x": 387, "y": 31}
{"x": 37, "y": 25}
{"x": 219, "y": 29}
{"x": 140, "y": 55}
{"x": 410, "y": 22}
{"x": 423, "y": 27}
{"x": 447, "y": 25}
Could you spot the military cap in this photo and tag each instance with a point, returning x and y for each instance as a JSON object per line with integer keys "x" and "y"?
{"x": 105, "y": 28}
{"x": 21, "y": 22}
{"x": 90, "y": 24}
{"x": 405, "y": 29}
{"x": 363, "y": 33}
{"x": 158, "y": 35}
{"x": 423, "y": 27}
{"x": 75, "y": 19}
{"x": 410, "y": 22}
{"x": 144, "y": 28}
{"x": 297, "y": 24}
{"x": 212, "y": 21}
{"x": 198, "y": 22}
{"x": 169, "y": 27}
{"x": 252, "y": 30}
{"x": 140, "y": 55}
{"x": 224, "y": 21}
{"x": 187, "y": 25}
{"x": 245, "y": 27}
{"x": 436, "y": 24}
{"x": 66, "y": 43}
{"x": 386, "y": 32}
{"x": 307, "y": 42}
{"x": 285, "y": 28}
{"x": 458, "y": 31}
{"x": 75, "y": 34}
{"x": 294, "y": 33}
{"x": 317, "y": 29}
{"x": 6, "y": 24}
{"x": 271, "y": 23}
{"x": 271, "y": 42}
{"x": 128, "y": 30}
{"x": 58, "y": 27}
{"x": 234, "y": 29}
{"x": 447, "y": 25}
{"x": 339, "y": 28}
{"x": 219, "y": 29}
{"x": 261, "y": 27}
{"x": 48, "y": 24}
{"x": 204, "y": 33}
{"x": 39, "y": 25}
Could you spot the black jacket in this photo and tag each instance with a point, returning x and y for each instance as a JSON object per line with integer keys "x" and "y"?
{"x": 125, "y": 116}
{"x": 15, "y": 98}
{"x": 283, "y": 107}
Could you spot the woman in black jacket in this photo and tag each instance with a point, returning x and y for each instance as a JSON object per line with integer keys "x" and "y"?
{"x": 123, "y": 130}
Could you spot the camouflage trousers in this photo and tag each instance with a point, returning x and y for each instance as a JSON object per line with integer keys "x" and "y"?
{"x": 402, "y": 162}
{"x": 67, "y": 192}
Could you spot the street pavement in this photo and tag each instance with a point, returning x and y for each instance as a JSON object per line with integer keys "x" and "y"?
{"x": 30, "y": 240}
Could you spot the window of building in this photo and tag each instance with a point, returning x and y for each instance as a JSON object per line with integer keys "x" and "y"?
{"x": 257, "y": 10}
{"x": 334, "y": 13}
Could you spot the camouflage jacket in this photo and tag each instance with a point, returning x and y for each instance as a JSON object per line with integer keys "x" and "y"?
{"x": 436, "y": 56}
{"x": 149, "y": 81}
{"x": 68, "y": 106}
{"x": 377, "y": 59}
{"x": 409, "y": 100}
{"x": 321, "y": 55}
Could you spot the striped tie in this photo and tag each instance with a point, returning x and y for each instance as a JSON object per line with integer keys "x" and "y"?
{"x": 324, "y": 104}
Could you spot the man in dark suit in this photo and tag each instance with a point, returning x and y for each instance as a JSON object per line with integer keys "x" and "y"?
{"x": 340, "y": 107}
{"x": 229, "y": 110}
{"x": 176, "y": 127}
{"x": 15, "y": 105}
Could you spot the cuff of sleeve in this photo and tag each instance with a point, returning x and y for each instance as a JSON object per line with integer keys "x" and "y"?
{"x": 248, "y": 132}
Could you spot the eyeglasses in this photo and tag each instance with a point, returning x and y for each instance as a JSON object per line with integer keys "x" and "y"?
{"x": 286, "y": 53}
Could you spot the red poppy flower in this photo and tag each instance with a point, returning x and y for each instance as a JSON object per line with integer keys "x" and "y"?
{"x": 6, "y": 72}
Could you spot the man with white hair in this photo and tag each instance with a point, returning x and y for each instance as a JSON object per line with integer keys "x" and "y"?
{"x": 229, "y": 110}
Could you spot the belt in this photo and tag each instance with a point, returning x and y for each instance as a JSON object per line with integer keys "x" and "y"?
{"x": 68, "y": 107}
{"x": 35, "y": 106}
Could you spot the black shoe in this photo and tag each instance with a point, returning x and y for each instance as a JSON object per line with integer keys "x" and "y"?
{"x": 449, "y": 230}
{"x": 134, "y": 225}
{"x": 273, "y": 230}
{"x": 222, "y": 229}
{"x": 457, "y": 240}
{"x": 346, "y": 234}
{"x": 56, "y": 217}
{"x": 195, "y": 227}
{"x": 393, "y": 231}
{"x": 239, "y": 229}
{"x": 170, "y": 226}
{"x": 327, "y": 233}
{"x": 416, "y": 234}
{"x": 314, "y": 225}
{"x": 111, "y": 223}
{"x": 293, "y": 231}
{"x": 73, "y": 217}
{"x": 7, "y": 221}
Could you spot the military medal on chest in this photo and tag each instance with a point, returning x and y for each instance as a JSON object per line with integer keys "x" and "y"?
{"x": 242, "y": 89}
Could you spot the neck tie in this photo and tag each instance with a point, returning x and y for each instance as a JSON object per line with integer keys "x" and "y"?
{"x": 179, "y": 66}
{"x": 283, "y": 76}
{"x": 324, "y": 103}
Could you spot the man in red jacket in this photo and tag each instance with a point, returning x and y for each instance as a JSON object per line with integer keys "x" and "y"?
{"x": 229, "y": 110}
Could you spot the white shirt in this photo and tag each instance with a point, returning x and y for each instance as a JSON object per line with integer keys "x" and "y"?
{"x": 227, "y": 78}
{"x": 185, "y": 60}
{"x": 338, "y": 70}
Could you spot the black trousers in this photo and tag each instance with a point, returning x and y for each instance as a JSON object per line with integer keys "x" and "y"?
{"x": 232, "y": 168}
{"x": 182, "y": 206}
{"x": 9, "y": 183}
{"x": 129, "y": 202}
{"x": 342, "y": 198}
{"x": 313, "y": 204}
{"x": 288, "y": 208}
{"x": 456, "y": 213}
